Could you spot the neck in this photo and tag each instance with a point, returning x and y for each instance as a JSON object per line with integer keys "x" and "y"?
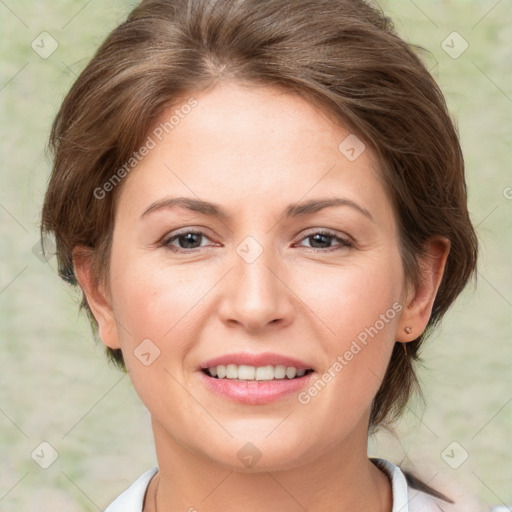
{"x": 343, "y": 480}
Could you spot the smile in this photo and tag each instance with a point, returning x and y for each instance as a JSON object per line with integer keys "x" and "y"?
{"x": 255, "y": 373}
{"x": 255, "y": 378}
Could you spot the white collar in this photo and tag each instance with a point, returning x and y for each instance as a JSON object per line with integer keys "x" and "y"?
{"x": 132, "y": 499}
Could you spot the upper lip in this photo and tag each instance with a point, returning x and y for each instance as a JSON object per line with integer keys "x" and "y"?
{"x": 251, "y": 359}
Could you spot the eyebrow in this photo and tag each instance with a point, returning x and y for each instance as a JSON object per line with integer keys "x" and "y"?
{"x": 292, "y": 210}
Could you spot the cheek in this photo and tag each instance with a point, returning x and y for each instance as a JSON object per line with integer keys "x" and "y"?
{"x": 359, "y": 307}
{"x": 157, "y": 309}
{"x": 350, "y": 298}
{"x": 151, "y": 300}
{"x": 164, "y": 304}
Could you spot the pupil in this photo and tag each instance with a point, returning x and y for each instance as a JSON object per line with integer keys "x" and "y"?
{"x": 321, "y": 238}
{"x": 189, "y": 239}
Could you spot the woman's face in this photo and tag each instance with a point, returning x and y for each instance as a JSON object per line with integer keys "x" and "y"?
{"x": 279, "y": 281}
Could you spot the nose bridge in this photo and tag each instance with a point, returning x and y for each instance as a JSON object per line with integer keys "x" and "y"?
{"x": 256, "y": 296}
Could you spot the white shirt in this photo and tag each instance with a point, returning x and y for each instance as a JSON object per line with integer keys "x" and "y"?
{"x": 405, "y": 498}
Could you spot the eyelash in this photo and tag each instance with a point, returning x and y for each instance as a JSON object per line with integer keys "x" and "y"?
{"x": 344, "y": 242}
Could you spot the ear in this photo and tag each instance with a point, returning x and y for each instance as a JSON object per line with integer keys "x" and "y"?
{"x": 97, "y": 297}
{"x": 420, "y": 299}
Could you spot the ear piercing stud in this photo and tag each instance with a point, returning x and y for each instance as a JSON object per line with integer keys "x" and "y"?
{"x": 408, "y": 330}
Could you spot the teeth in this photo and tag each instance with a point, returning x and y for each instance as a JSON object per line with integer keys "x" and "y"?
{"x": 291, "y": 372}
{"x": 231, "y": 371}
{"x": 264, "y": 373}
{"x": 280, "y": 371}
{"x": 246, "y": 372}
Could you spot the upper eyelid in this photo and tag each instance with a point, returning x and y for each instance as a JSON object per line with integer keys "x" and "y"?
{"x": 309, "y": 232}
{"x": 168, "y": 237}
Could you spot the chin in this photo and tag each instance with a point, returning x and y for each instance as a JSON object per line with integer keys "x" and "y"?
{"x": 261, "y": 463}
{"x": 244, "y": 455}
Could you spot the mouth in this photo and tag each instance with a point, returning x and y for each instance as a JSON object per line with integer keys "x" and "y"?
{"x": 249, "y": 373}
{"x": 255, "y": 378}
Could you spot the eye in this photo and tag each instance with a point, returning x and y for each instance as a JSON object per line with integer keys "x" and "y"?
{"x": 186, "y": 240}
{"x": 322, "y": 239}
{"x": 189, "y": 240}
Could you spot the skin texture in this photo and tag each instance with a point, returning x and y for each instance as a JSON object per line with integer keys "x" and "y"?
{"x": 254, "y": 150}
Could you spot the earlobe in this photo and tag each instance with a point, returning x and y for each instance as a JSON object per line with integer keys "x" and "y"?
{"x": 420, "y": 300}
{"x": 97, "y": 298}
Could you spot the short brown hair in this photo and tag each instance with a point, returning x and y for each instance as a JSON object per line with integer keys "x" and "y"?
{"x": 341, "y": 54}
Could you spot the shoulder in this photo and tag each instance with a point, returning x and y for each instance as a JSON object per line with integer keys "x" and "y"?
{"x": 409, "y": 499}
{"x": 132, "y": 499}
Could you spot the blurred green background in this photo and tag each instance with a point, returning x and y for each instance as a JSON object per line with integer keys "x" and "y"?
{"x": 55, "y": 384}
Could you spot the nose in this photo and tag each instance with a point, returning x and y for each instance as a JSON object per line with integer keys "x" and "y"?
{"x": 255, "y": 294}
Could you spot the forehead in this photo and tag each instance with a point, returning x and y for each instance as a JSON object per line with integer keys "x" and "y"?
{"x": 253, "y": 146}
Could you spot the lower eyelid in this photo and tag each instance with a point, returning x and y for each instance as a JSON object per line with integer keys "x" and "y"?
{"x": 166, "y": 242}
{"x": 344, "y": 242}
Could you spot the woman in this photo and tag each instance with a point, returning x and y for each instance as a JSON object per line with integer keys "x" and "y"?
{"x": 264, "y": 205}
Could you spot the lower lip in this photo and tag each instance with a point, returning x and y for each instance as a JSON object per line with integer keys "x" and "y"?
{"x": 256, "y": 392}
